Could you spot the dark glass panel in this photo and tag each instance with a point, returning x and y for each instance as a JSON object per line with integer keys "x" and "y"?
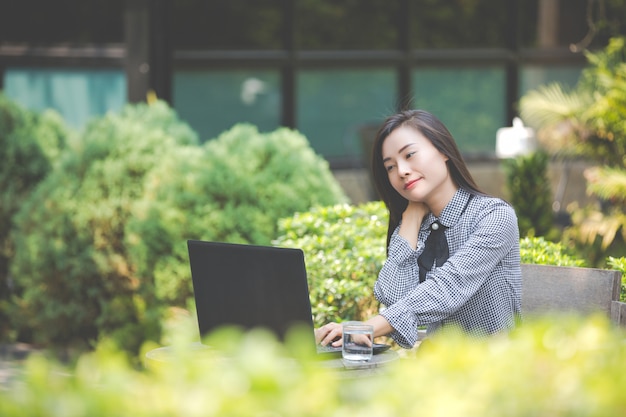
{"x": 77, "y": 94}
{"x": 460, "y": 23}
{"x": 470, "y": 101}
{"x": 232, "y": 24}
{"x": 61, "y": 21}
{"x": 576, "y": 22}
{"x": 214, "y": 101}
{"x": 333, "y": 105}
{"x": 347, "y": 24}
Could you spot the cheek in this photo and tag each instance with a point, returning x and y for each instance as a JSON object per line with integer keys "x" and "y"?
{"x": 396, "y": 183}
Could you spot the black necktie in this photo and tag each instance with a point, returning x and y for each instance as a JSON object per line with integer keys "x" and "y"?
{"x": 435, "y": 249}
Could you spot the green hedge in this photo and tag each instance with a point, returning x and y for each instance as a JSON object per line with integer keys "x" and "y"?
{"x": 29, "y": 147}
{"x": 565, "y": 367}
{"x": 344, "y": 250}
{"x": 233, "y": 189}
{"x": 100, "y": 244}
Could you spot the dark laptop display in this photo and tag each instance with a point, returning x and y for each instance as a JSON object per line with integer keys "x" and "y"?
{"x": 249, "y": 286}
{"x": 252, "y": 286}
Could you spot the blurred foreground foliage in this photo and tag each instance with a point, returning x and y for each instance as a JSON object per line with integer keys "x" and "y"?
{"x": 560, "y": 367}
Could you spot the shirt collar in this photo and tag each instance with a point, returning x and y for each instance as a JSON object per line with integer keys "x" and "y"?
{"x": 451, "y": 212}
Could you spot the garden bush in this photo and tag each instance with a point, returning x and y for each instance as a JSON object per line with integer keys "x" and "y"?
{"x": 527, "y": 175}
{"x": 71, "y": 267}
{"x": 101, "y": 243}
{"x": 537, "y": 250}
{"x": 233, "y": 189}
{"x": 29, "y": 146}
{"x": 588, "y": 122}
{"x": 344, "y": 249}
{"x": 563, "y": 367}
{"x": 619, "y": 264}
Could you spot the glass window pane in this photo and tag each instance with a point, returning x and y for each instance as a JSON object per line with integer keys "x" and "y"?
{"x": 457, "y": 24}
{"x": 347, "y": 24}
{"x": 232, "y": 24}
{"x": 76, "y": 21}
{"x": 533, "y": 76}
{"x": 469, "y": 101}
{"x": 213, "y": 101}
{"x": 333, "y": 105}
{"x": 77, "y": 94}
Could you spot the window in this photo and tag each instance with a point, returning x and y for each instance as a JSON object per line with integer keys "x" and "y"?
{"x": 77, "y": 94}
{"x": 213, "y": 101}
{"x": 333, "y": 105}
{"x": 469, "y": 101}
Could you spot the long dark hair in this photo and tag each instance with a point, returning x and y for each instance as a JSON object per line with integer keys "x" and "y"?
{"x": 437, "y": 133}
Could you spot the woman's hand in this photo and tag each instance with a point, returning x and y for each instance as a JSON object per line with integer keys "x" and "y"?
{"x": 331, "y": 333}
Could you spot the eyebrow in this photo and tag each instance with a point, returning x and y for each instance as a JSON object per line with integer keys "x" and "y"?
{"x": 399, "y": 151}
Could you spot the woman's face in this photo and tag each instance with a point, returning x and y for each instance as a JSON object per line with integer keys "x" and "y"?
{"x": 416, "y": 169}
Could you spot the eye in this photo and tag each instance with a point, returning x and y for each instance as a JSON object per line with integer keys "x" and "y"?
{"x": 389, "y": 168}
{"x": 410, "y": 154}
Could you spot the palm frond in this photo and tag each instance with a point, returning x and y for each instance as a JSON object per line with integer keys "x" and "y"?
{"x": 551, "y": 104}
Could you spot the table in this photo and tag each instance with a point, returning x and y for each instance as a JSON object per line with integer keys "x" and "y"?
{"x": 376, "y": 366}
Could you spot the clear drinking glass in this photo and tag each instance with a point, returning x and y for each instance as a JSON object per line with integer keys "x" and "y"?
{"x": 357, "y": 341}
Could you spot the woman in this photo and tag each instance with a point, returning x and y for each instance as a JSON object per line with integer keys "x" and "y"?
{"x": 472, "y": 278}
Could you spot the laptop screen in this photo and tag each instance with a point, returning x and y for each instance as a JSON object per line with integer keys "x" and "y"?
{"x": 249, "y": 286}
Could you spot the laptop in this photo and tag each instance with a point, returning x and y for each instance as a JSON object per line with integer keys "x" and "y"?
{"x": 252, "y": 286}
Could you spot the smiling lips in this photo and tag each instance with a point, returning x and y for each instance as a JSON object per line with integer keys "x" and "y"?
{"x": 410, "y": 184}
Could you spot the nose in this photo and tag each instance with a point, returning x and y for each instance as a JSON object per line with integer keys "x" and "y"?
{"x": 403, "y": 169}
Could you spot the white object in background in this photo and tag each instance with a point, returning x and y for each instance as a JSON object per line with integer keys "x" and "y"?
{"x": 515, "y": 141}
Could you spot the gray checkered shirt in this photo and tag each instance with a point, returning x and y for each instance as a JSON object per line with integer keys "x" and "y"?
{"x": 477, "y": 289}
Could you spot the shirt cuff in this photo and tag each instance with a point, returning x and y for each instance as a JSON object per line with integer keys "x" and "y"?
{"x": 404, "y": 325}
{"x": 401, "y": 250}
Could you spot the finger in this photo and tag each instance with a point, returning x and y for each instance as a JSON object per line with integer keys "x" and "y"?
{"x": 320, "y": 334}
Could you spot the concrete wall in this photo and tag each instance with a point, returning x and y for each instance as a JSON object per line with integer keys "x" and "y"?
{"x": 567, "y": 180}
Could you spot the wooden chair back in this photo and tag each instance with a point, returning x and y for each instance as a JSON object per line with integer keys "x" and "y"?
{"x": 547, "y": 288}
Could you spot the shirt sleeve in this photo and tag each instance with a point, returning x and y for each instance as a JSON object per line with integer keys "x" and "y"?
{"x": 400, "y": 272}
{"x": 450, "y": 286}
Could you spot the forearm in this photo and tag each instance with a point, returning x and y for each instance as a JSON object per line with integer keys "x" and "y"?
{"x": 381, "y": 326}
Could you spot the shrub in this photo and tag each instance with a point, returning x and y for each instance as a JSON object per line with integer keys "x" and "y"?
{"x": 233, "y": 189}
{"x": 344, "y": 248}
{"x": 536, "y": 250}
{"x": 528, "y": 176}
{"x": 71, "y": 264}
{"x": 588, "y": 122}
{"x": 29, "y": 145}
{"x": 619, "y": 264}
{"x": 562, "y": 368}
{"x": 101, "y": 243}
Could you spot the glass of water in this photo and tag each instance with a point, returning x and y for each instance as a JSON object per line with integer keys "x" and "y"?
{"x": 357, "y": 341}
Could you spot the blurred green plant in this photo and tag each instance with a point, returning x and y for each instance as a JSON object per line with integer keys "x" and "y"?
{"x": 344, "y": 248}
{"x": 101, "y": 242}
{"x": 73, "y": 276}
{"x": 233, "y": 189}
{"x": 588, "y": 122}
{"x": 538, "y": 250}
{"x": 561, "y": 367}
{"x": 527, "y": 175}
{"x": 29, "y": 146}
{"x": 619, "y": 264}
